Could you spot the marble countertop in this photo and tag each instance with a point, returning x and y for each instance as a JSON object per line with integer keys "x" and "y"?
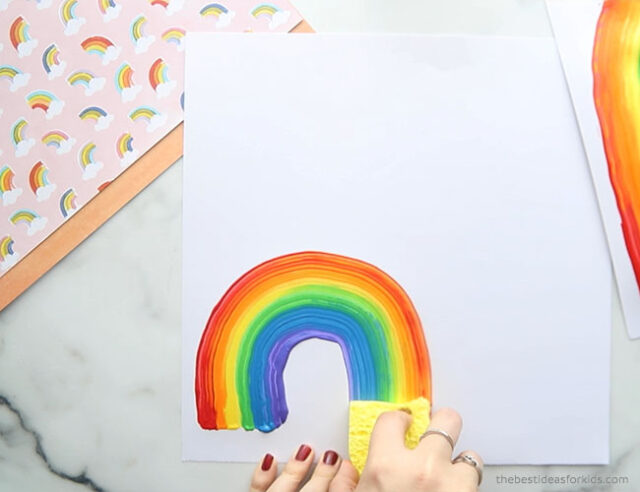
{"x": 90, "y": 355}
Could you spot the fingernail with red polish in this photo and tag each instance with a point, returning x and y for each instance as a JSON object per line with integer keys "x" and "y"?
{"x": 330, "y": 458}
{"x": 267, "y": 461}
{"x": 303, "y": 452}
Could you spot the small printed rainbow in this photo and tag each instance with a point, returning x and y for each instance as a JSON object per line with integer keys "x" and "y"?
{"x": 104, "y": 5}
{"x": 97, "y": 45}
{"x": 54, "y": 138}
{"x": 41, "y": 100}
{"x": 6, "y": 180}
{"x": 174, "y": 35}
{"x": 19, "y": 32}
{"x": 137, "y": 28}
{"x": 68, "y": 11}
{"x": 38, "y": 177}
{"x": 265, "y": 10}
{"x": 80, "y": 77}
{"x": 23, "y": 216}
{"x": 9, "y": 72}
{"x": 6, "y": 248}
{"x": 50, "y": 57}
{"x": 215, "y": 9}
{"x": 124, "y": 144}
{"x": 124, "y": 77}
{"x": 158, "y": 73}
{"x": 92, "y": 113}
{"x": 15, "y": 77}
{"x": 85, "y": 156}
{"x": 162, "y": 3}
{"x": 68, "y": 202}
{"x": 275, "y": 15}
{"x": 8, "y": 191}
{"x": 50, "y": 60}
{"x": 18, "y": 131}
{"x": 143, "y": 112}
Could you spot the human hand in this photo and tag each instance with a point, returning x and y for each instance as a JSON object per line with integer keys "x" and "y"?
{"x": 332, "y": 474}
{"x": 391, "y": 467}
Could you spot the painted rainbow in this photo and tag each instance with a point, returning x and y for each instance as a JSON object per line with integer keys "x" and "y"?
{"x": 284, "y": 301}
{"x": 616, "y": 91}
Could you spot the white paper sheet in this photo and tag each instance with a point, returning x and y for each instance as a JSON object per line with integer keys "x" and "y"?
{"x": 574, "y": 26}
{"x": 452, "y": 163}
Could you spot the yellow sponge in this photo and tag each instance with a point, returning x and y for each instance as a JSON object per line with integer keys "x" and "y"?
{"x": 363, "y": 416}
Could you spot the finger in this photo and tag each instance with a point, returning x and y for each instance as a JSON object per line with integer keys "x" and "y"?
{"x": 436, "y": 445}
{"x": 264, "y": 474}
{"x": 387, "y": 437}
{"x": 326, "y": 469}
{"x": 295, "y": 471}
{"x": 346, "y": 480}
{"x": 469, "y": 474}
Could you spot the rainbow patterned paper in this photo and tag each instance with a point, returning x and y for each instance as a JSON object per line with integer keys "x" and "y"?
{"x": 284, "y": 301}
{"x": 86, "y": 88}
{"x": 616, "y": 88}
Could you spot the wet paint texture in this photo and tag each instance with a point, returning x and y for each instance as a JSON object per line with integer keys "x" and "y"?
{"x": 616, "y": 89}
{"x": 284, "y": 301}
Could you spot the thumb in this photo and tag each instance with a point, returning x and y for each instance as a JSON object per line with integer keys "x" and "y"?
{"x": 346, "y": 479}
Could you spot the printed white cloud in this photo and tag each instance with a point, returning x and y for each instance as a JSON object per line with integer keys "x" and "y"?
{"x": 55, "y": 108}
{"x": 142, "y": 44}
{"x": 130, "y": 93}
{"x": 4, "y": 4}
{"x": 156, "y": 122}
{"x": 24, "y": 146}
{"x": 225, "y": 19}
{"x": 96, "y": 84}
{"x": 279, "y": 18}
{"x": 111, "y": 54}
{"x": 112, "y": 13}
{"x": 20, "y": 80}
{"x": 91, "y": 170}
{"x": 1, "y": 45}
{"x": 74, "y": 25}
{"x": 174, "y": 6}
{"x": 129, "y": 157}
{"x": 65, "y": 146}
{"x": 57, "y": 70}
{"x": 9, "y": 261}
{"x": 1, "y": 111}
{"x": 25, "y": 48}
{"x": 44, "y": 4}
{"x": 103, "y": 122}
{"x": 9, "y": 197}
{"x": 164, "y": 89}
{"x": 44, "y": 192}
{"x": 36, "y": 225}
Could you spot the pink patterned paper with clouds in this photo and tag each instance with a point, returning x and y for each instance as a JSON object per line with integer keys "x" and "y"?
{"x": 88, "y": 86}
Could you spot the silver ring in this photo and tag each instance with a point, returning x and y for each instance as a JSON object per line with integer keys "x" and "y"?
{"x": 471, "y": 461}
{"x": 440, "y": 432}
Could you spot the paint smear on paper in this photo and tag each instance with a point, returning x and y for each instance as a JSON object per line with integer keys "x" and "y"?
{"x": 284, "y": 301}
{"x": 616, "y": 89}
